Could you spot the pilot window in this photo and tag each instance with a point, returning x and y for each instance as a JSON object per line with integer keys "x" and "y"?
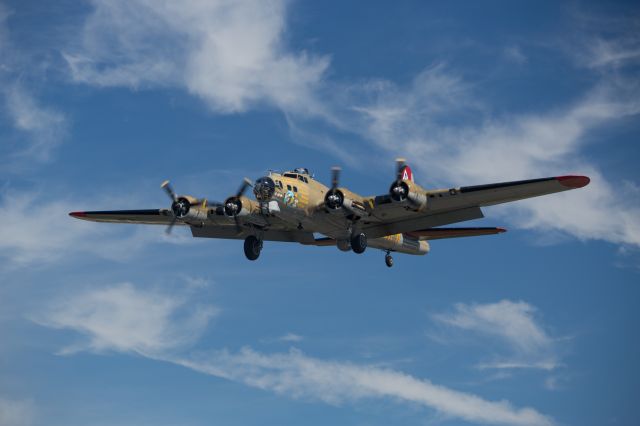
{"x": 289, "y": 187}
{"x": 295, "y": 189}
{"x": 305, "y": 180}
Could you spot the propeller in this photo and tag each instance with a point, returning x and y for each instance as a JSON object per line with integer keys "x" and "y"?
{"x": 169, "y": 190}
{"x": 246, "y": 182}
{"x": 334, "y": 197}
{"x": 335, "y": 177}
{"x": 400, "y": 163}
{"x": 180, "y": 206}
{"x": 399, "y": 189}
{"x": 233, "y": 205}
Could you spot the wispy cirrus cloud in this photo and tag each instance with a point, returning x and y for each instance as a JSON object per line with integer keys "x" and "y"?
{"x": 448, "y": 129}
{"x": 15, "y": 412}
{"x": 36, "y": 230}
{"x": 481, "y": 146}
{"x": 230, "y": 54}
{"x": 526, "y": 343}
{"x": 125, "y": 318}
{"x": 38, "y": 128}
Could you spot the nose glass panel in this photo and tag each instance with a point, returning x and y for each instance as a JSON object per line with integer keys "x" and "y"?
{"x": 264, "y": 188}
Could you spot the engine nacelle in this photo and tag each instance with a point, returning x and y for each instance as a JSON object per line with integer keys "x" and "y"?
{"x": 408, "y": 192}
{"x": 400, "y": 243}
{"x": 187, "y": 208}
{"x": 337, "y": 199}
{"x": 239, "y": 206}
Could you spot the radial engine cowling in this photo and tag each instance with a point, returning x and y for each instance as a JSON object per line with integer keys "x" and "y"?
{"x": 405, "y": 191}
{"x": 336, "y": 199}
{"x": 186, "y": 208}
{"x": 239, "y": 206}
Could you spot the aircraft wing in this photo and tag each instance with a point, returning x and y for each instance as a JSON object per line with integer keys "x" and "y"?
{"x": 227, "y": 230}
{"x": 454, "y": 205}
{"x": 149, "y": 216}
{"x": 441, "y": 233}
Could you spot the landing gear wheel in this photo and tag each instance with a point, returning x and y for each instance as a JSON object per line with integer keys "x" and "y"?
{"x": 388, "y": 260}
{"x": 252, "y": 247}
{"x": 359, "y": 243}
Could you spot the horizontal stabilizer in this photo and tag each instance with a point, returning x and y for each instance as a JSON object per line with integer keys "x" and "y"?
{"x": 440, "y": 233}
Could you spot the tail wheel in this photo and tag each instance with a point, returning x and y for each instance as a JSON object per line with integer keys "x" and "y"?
{"x": 388, "y": 260}
{"x": 359, "y": 243}
{"x": 252, "y": 247}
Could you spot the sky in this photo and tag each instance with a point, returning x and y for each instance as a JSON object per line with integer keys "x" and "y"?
{"x": 102, "y": 324}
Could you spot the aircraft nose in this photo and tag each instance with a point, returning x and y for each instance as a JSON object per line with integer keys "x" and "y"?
{"x": 264, "y": 188}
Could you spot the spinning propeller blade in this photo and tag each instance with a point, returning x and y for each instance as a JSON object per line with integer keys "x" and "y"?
{"x": 400, "y": 163}
{"x": 169, "y": 190}
{"x": 335, "y": 177}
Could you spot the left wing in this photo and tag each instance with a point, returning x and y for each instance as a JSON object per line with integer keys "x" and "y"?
{"x": 149, "y": 216}
{"x": 447, "y": 206}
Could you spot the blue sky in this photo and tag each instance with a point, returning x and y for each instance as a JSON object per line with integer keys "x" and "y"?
{"x": 105, "y": 324}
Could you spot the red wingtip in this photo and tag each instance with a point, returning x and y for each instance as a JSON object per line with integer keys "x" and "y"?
{"x": 573, "y": 181}
{"x": 501, "y": 230}
{"x": 77, "y": 214}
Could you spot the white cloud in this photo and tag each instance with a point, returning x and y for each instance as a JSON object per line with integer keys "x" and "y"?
{"x": 300, "y": 376}
{"x": 290, "y": 337}
{"x": 124, "y": 318}
{"x": 514, "y": 324}
{"x": 16, "y": 412}
{"x": 480, "y": 147}
{"x": 37, "y": 230}
{"x": 231, "y": 54}
{"x": 514, "y": 54}
{"x": 44, "y": 127}
{"x": 39, "y": 128}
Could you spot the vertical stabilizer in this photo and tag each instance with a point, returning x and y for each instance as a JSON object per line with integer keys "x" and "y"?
{"x": 407, "y": 174}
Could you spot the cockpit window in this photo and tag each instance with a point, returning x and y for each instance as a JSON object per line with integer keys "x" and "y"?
{"x": 291, "y": 175}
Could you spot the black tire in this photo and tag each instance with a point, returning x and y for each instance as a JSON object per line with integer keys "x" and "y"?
{"x": 359, "y": 243}
{"x": 388, "y": 260}
{"x": 252, "y": 247}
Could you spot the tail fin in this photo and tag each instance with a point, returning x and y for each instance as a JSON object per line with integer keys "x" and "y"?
{"x": 407, "y": 174}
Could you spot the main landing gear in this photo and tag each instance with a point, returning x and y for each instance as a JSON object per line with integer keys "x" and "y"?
{"x": 359, "y": 243}
{"x": 252, "y": 247}
{"x": 388, "y": 259}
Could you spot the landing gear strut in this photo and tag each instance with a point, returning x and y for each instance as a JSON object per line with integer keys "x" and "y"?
{"x": 359, "y": 243}
{"x": 388, "y": 260}
{"x": 252, "y": 247}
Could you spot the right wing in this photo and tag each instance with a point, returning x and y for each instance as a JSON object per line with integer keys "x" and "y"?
{"x": 441, "y": 233}
{"x": 226, "y": 229}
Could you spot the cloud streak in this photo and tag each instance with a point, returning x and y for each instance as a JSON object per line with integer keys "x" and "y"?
{"x": 512, "y": 323}
{"x": 16, "y": 412}
{"x": 439, "y": 121}
{"x": 124, "y": 318}
{"x": 38, "y": 128}
{"x": 37, "y": 230}
{"x": 447, "y": 131}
